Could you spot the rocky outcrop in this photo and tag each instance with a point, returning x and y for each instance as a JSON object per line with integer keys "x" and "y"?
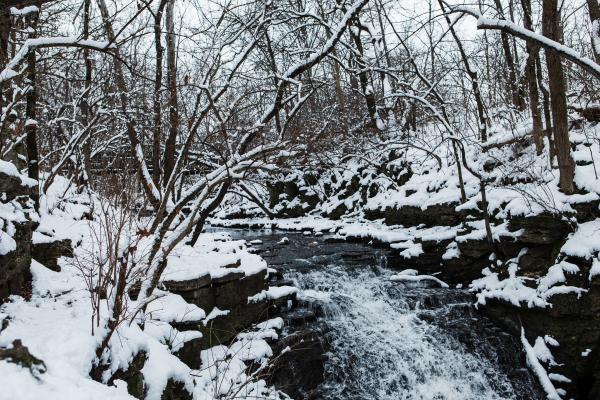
{"x": 132, "y": 376}
{"x": 47, "y": 253}
{"x": 229, "y": 294}
{"x": 298, "y": 367}
{"x": 17, "y": 225}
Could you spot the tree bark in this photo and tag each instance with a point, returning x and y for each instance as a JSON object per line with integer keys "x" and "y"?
{"x": 364, "y": 79}
{"x": 33, "y": 170}
{"x": 85, "y": 106}
{"x": 594, "y": 10}
{"x": 169, "y": 160}
{"x": 157, "y": 131}
{"x": 531, "y": 75}
{"x": 510, "y": 63}
{"x": 551, "y": 28}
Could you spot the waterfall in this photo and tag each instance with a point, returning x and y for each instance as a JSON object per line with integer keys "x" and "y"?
{"x": 385, "y": 341}
{"x": 380, "y": 347}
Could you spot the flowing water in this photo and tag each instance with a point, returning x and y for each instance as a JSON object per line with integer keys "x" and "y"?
{"x": 388, "y": 341}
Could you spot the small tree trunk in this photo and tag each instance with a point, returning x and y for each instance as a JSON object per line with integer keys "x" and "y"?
{"x": 85, "y": 105}
{"x": 546, "y": 104}
{"x": 510, "y": 63}
{"x": 534, "y": 96}
{"x": 365, "y": 84}
{"x": 33, "y": 170}
{"x": 5, "y": 26}
{"x": 340, "y": 95}
{"x": 594, "y": 10}
{"x": 157, "y": 131}
{"x": 552, "y": 29}
{"x": 169, "y": 160}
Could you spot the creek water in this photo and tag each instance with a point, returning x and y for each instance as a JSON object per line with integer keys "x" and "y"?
{"x": 385, "y": 340}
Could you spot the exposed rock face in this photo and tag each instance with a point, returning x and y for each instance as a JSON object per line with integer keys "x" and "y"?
{"x": 298, "y": 368}
{"x": 438, "y": 214}
{"x": 176, "y": 391}
{"x": 227, "y": 293}
{"x": 48, "y": 253}
{"x": 133, "y": 376}
{"x": 14, "y": 266}
{"x": 16, "y": 195}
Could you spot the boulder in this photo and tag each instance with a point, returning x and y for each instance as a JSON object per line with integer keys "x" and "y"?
{"x": 48, "y": 253}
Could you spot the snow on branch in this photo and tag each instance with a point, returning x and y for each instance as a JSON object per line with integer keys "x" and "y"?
{"x": 337, "y": 33}
{"x": 21, "y": 12}
{"x": 538, "y": 369}
{"x": 9, "y": 71}
{"x": 532, "y": 37}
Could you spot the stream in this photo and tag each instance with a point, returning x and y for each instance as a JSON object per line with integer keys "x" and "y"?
{"x": 386, "y": 340}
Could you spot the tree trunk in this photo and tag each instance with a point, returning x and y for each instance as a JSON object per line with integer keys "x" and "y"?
{"x": 510, "y": 63}
{"x": 594, "y": 10}
{"x": 534, "y": 96}
{"x": 5, "y": 25}
{"x": 33, "y": 170}
{"x": 157, "y": 131}
{"x": 85, "y": 106}
{"x": 551, "y": 28}
{"x": 169, "y": 160}
{"x": 340, "y": 95}
{"x": 364, "y": 78}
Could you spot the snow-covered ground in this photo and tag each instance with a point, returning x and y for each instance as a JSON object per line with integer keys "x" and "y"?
{"x": 56, "y": 323}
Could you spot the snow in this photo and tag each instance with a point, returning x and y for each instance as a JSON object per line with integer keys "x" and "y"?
{"x": 214, "y": 257}
{"x": 512, "y": 290}
{"x": 19, "y": 12}
{"x": 215, "y": 313}
{"x": 542, "y": 352}
{"x": 9, "y": 73}
{"x": 412, "y": 276}
{"x": 585, "y": 241}
{"x": 56, "y": 324}
{"x": 10, "y": 169}
{"x": 170, "y": 307}
{"x": 538, "y": 369}
{"x": 273, "y": 293}
{"x": 7, "y": 243}
{"x": 413, "y": 250}
{"x": 595, "y": 270}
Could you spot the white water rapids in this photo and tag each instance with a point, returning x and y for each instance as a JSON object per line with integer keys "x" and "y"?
{"x": 385, "y": 341}
{"x": 380, "y": 349}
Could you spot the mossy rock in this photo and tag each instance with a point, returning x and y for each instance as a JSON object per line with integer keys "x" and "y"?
{"x": 275, "y": 190}
{"x": 337, "y": 213}
{"x": 20, "y": 355}
{"x": 311, "y": 179}
{"x": 175, "y": 390}
{"x": 373, "y": 190}
{"x": 134, "y": 377}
